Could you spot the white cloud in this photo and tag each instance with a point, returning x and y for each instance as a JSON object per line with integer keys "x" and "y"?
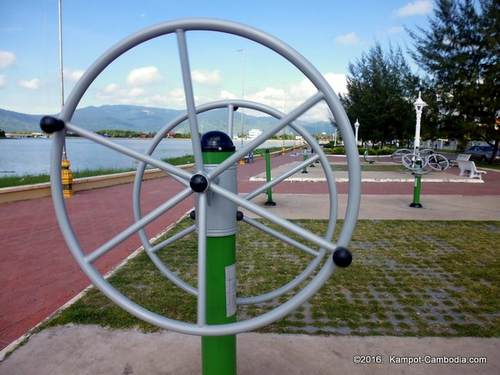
{"x": 31, "y": 84}
{"x": 417, "y": 8}
{"x": 274, "y": 97}
{"x": 347, "y": 39}
{"x": 3, "y": 81}
{"x": 143, "y": 76}
{"x": 285, "y": 99}
{"x": 115, "y": 94}
{"x": 224, "y": 95}
{"x": 73, "y": 75}
{"x": 112, "y": 87}
{"x": 6, "y": 59}
{"x": 338, "y": 82}
{"x": 205, "y": 77}
{"x": 176, "y": 98}
{"x": 136, "y": 91}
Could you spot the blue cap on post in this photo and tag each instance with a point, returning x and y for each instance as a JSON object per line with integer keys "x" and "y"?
{"x": 51, "y": 124}
{"x": 216, "y": 141}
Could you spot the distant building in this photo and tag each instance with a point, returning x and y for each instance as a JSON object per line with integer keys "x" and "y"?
{"x": 254, "y": 133}
{"x": 440, "y": 144}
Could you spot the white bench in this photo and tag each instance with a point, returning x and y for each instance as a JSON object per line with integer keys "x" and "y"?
{"x": 468, "y": 167}
{"x": 460, "y": 157}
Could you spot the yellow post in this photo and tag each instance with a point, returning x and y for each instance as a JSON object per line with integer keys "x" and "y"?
{"x": 66, "y": 179}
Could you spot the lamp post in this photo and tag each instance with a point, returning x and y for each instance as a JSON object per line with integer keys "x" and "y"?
{"x": 419, "y": 106}
{"x": 242, "y": 52}
{"x": 417, "y": 187}
{"x": 356, "y": 127}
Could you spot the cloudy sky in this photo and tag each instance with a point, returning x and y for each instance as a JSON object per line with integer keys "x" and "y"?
{"x": 328, "y": 33}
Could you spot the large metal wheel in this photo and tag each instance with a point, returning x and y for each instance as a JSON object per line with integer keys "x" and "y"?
{"x": 324, "y": 244}
{"x": 231, "y": 105}
{"x": 414, "y": 162}
{"x": 399, "y": 153}
{"x": 438, "y": 162}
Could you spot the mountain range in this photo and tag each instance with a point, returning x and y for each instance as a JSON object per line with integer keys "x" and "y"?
{"x": 147, "y": 119}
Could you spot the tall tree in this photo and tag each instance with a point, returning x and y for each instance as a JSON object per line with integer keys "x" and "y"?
{"x": 460, "y": 52}
{"x": 381, "y": 90}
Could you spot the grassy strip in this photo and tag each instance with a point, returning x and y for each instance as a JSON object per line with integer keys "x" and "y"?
{"x": 408, "y": 278}
{"x": 485, "y": 164}
{"x": 36, "y": 179}
{"x": 260, "y": 151}
{"x": 180, "y": 160}
{"x": 339, "y": 150}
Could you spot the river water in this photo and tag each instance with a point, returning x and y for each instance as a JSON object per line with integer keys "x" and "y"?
{"x": 24, "y": 156}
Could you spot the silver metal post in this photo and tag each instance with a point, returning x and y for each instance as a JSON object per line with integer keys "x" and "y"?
{"x": 61, "y": 63}
{"x": 230, "y": 120}
{"x": 188, "y": 89}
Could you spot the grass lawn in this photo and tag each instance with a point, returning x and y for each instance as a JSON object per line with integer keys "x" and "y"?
{"x": 408, "y": 278}
{"x": 484, "y": 164}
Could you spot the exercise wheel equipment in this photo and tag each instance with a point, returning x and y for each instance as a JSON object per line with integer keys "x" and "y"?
{"x": 232, "y": 106}
{"x": 214, "y": 184}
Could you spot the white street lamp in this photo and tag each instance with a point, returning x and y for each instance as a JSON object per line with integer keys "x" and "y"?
{"x": 419, "y": 106}
{"x": 356, "y": 126}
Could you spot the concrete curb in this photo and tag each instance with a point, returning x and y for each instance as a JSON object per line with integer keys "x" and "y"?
{"x": 342, "y": 179}
{"x": 26, "y": 192}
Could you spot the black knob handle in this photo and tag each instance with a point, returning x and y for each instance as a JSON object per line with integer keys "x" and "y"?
{"x": 342, "y": 257}
{"x": 198, "y": 183}
{"x": 239, "y": 215}
{"x": 51, "y": 124}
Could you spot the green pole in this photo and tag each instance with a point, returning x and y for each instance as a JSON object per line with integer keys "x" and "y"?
{"x": 417, "y": 187}
{"x": 312, "y": 164}
{"x": 219, "y": 352}
{"x": 304, "y": 170}
{"x": 269, "y": 191}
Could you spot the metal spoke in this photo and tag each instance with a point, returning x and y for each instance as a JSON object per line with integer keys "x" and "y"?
{"x": 185, "y": 176}
{"x": 183, "y": 233}
{"x": 280, "y": 236}
{"x": 188, "y": 89}
{"x": 141, "y": 167}
{"x": 284, "y": 176}
{"x": 201, "y": 219}
{"x": 230, "y": 120}
{"x": 122, "y": 236}
{"x": 291, "y": 116}
{"x": 307, "y": 235}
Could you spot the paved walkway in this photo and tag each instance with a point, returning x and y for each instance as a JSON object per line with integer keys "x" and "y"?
{"x": 388, "y": 207}
{"x": 38, "y": 274}
{"x": 91, "y": 350}
{"x": 316, "y": 174}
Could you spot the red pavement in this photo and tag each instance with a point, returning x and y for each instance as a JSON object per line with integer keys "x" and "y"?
{"x": 38, "y": 274}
